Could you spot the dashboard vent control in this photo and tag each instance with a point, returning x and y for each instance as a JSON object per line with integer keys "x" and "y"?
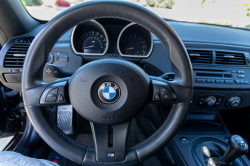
{"x": 230, "y": 58}
{"x": 16, "y": 54}
{"x": 200, "y": 56}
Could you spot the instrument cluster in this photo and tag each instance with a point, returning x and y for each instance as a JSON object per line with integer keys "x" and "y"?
{"x": 91, "y": 38}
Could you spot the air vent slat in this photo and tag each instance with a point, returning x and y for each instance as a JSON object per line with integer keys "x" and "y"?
{"x": 22, "y": 46}
{"x": 234, "y": 60}
{"x": 13, "y": 66}
{"x": 13, "y": 61}
{"x": 200, "y": 56}
{"x": 230, "y": 58}
{"x": 16, "y": 55}
{"x": 203, "y": 58}
{"x": 18, "y": 51}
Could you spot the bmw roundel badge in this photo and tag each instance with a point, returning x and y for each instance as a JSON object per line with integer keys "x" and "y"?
{"x": 109, "y": 92}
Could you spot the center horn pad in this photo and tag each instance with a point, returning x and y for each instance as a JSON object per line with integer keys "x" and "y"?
{"x": 109, "y": 91}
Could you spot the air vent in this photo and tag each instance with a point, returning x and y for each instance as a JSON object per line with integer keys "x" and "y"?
{"x": 200, "y": 56}
{"x": 16, "y": 54}
{"x": 25, "y": 40}
{"x": 230, "y": 58}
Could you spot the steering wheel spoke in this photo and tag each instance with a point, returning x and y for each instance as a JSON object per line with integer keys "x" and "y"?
{"x": 164, "y": 91}
{"x": 55, "y": 93}
{"x": 110, "y": 141}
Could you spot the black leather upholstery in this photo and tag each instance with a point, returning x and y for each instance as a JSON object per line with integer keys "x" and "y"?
{"x": 42, "y": 45}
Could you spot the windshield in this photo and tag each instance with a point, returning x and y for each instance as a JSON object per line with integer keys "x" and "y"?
{"x": 234, "y": 13}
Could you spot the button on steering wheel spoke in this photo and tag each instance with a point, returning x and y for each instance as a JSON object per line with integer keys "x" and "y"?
{"x": 164, "y": 91}
{"x": 54, "y": 93}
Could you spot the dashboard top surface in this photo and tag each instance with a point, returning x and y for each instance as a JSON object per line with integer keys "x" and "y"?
{"x": 192, "y": 32}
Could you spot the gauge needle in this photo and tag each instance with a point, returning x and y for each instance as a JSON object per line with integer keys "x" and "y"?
{"x": 88, "y": 46}
{"x": 129, "y": 48}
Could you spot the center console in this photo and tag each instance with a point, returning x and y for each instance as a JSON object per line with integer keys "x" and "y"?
{"x": 203, "y": 138}
{"x": 202, "y": 129}
{"x": 218, "y": 88}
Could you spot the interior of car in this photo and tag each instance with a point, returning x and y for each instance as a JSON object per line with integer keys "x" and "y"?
{"x": 115, "y": 83}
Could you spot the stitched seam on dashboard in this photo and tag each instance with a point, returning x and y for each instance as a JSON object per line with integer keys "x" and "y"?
{"x": 153, "y": 135}
{"x": 64, "y": 135}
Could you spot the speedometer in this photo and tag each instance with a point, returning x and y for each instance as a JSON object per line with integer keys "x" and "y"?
{"x": 89, "y": 38}
{"x": 92, "y": 42}
{"x": 135, "y": 41}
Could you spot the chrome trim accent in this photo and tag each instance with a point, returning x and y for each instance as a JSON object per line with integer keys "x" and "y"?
{"x": 194, "y": 54}
{"x": 228, "y": 56}
{"x": 20, "y": 55}
{"x": 139, "y": 56}
{"x": 81, "y": 53}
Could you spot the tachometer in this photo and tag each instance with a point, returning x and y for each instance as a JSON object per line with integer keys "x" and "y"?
{"x": 133, "y": 44}
{"x": 135, "y": 41}
{"x": 89, "y": 38}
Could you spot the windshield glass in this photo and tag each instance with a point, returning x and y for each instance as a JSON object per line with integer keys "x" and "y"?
{"x": 234, "y": 13}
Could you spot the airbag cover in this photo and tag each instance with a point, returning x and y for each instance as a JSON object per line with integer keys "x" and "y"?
{"x": 133, "y": 84}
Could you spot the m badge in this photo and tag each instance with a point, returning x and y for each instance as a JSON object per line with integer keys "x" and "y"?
{"x": 110, "y": 155}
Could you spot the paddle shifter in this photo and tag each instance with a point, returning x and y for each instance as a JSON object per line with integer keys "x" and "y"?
{"x": 237, "y": 147}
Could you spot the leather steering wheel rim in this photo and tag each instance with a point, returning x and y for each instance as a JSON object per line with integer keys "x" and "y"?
{"x": 32, "y": 78}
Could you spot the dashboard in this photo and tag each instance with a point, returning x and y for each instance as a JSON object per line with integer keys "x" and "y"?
{"x": 220, "y": 56}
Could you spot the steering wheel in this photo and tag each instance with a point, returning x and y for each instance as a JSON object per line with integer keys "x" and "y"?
{"x": 132, "y": 89}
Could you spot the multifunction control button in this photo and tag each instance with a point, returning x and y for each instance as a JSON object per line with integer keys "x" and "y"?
{"x": 157, "y": 96}
{"x": 229, "y": 81}
{"x": 210, "y": 81}
{"x": 241, "y": 82}
{"x": 234, "y": 101}
{"x": 200, "y": 80}
{"x": 210, "y": 100}
{"x": 52, "y": 95}
{"x": 219, "y": 81}
{"x": 50, "y": 98}
{"x": 60, "y": 98}
{"x": 53, "y": 91}
{"x": 162, "y": 92}
{"x": 241, "y": 76}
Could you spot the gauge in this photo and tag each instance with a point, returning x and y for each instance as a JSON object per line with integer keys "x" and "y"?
{"x": 92, "y": 42}
{"x": 89, "y": 38}
{"x": 135, "y": 41}
{"x": 133, "y": 44}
